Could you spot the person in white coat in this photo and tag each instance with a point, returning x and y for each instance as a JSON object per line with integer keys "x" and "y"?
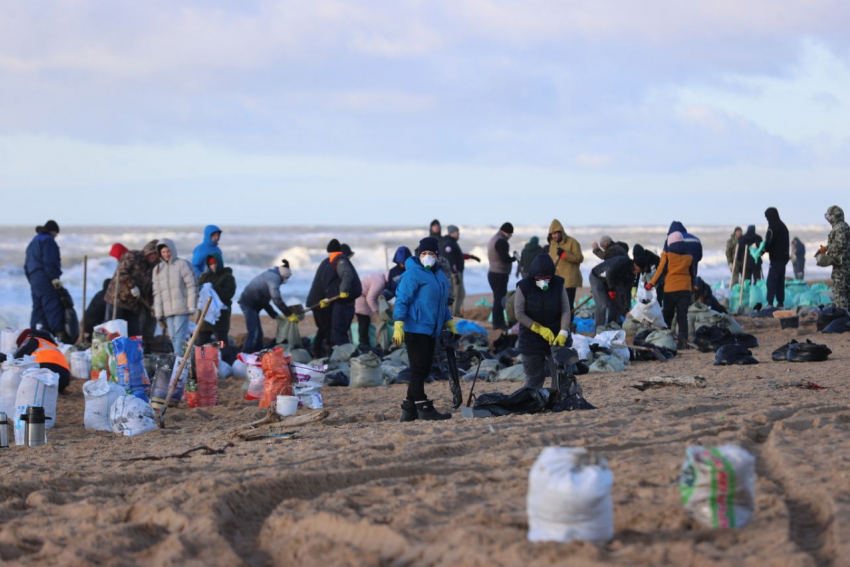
{"x": 175, "y": 293}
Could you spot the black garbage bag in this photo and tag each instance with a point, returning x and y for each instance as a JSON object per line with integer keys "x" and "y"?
{"x": 729, "y": 355}
{"x": 570, "y": 395}
{"x": 767, "y": 312}
{"x": 523, "y": 401}
{"x": 338, "y": 378}
{"x": 582, "y": 368}
{"x": 808, "y": 352}
{"x": 781, "y": 354}
{"x": 745, "y": 340}
{"x": 504, "y": 342}
{"x": 829, "y": 314}
{"x": 72, "y": 322}
{"x": 840, "y": 325}
{"x": 711, "y": 337}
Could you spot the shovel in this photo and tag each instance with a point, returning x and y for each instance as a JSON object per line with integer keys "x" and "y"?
{"x": 468, "y": 410}
{"x": 182, "y": 365}
{"x": 297, "y": 310}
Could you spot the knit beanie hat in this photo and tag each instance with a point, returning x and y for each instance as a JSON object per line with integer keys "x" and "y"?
{"x": 429, "y": 244}
{"x": 534, "y": 241}
{"x": 507, "y": 227}
{"x": 284, "y": 270}
{"x": 51, "y": 226}
{"x": 118, "y": 250}
{"x": 451, "y": 229}
{"x": 674, "y": 237}
{"x": 334, "y": 246}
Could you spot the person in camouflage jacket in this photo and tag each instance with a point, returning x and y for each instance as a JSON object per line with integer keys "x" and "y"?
{"x": 135, "y": 290}
{"x": 837, "y": 254}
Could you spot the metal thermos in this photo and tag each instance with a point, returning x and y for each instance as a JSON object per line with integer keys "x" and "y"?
{"x": 4, "y": 431}
{"x": 35, "y": 433}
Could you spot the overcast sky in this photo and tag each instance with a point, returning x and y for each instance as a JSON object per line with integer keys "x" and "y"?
{"x": 324, "y": 112}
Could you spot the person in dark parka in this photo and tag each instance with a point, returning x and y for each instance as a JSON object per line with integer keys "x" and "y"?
{"x": 542, "y": 308}
{"x": 96, "y": 311}
{"x": 778, "y": 247}
{"x": 750, "y": 265}
{"x": 224, "y": 285}
{"x": 338, "y": 279}
{"x": 43, "y": 268}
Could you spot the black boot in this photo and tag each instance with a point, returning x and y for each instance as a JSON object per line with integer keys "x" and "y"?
{"x": 408, "y": 411}
{"x": 682, "y": 344}
{"x": 425, "y": 410}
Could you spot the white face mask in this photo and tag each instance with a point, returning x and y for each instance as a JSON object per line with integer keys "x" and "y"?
{"x": 428, "y": 261}
{"x": 542, "y": 284}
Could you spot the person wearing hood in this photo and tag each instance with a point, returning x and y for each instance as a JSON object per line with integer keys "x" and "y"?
{"x": 692, "y": 243}
{"x": 565, "y": 252}
{"x": 224, "y": 285}
{"x": 836, "y": 253}
{"x": 338, "y": 279}
{"x": 212, "y": 234}
{"x": 134, "y": 275}
{"x": 798, "y": 259}
{"x": 731, "y": 258}
{"x": 650, "y": 263}
{"x": 421, "y": 312}
{"x": 401, "y": 255}
{"x": 43, "y": 347}
{"x": 750, "y": 264}
{"x": 530, "y": 251}
{"x": 456, "y": 260}
{"x": 43, "y": 268}
{"x": 175, "y": 293}
{"x": 611, "y": 283}
{"x": 677, "y": 272}
{"x": 259, "y": 295}
{"x": 96, "y": 312}
{"x": 501, "y": 261}
{"x": 542, "y": 307}
{"x": 435, "y": 230}
{"x": 777, "y": 245}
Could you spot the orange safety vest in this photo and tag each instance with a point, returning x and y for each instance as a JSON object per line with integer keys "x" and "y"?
{"x": 47, "y": 353}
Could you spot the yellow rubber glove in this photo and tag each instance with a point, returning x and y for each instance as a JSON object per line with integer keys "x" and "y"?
{"x": 324, "y": 303}
{"x": 293, "y": 319}
{"x": 544, "y": 332}
{"x": 451, "y": 326}
{"x": 398, "y": 333}
{"x": 561, "y": 339}
{"x": 343, "y": 295}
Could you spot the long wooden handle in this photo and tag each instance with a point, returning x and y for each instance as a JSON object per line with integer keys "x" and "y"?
{"x": 83, "y": 316}
{"x": 185, "y": 359}
{"x": 331, "y": 300}
{"x": 734, "y": 264}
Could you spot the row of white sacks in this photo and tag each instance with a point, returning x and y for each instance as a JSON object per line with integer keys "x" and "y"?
{"x": 569, "y": 492}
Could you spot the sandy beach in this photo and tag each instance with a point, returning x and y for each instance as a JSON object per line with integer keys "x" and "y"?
{"x": 359, "y": 488}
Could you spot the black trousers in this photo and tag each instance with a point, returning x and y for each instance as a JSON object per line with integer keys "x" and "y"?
{"x": 420, "y": 351}
{"x": 776, "y": 283}
{"x": 677, "y": 303}
{"x": 322, "y": 317}
{"x": 342, "y": 314}
{"x": 363, "y": 324}
{"x": 499, "y": 285}
{"x": 571, "y": 294}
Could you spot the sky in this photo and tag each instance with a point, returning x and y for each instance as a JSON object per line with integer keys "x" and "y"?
{"x": 351, "y": 112}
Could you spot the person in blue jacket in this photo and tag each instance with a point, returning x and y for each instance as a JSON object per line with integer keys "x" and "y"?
{"x": 43, "y": 268}
{"x": 209, "y": 247}
{"x": 421, "y": 311}
{"x": 693, "y": 245}
{"x": 401, "y": 255}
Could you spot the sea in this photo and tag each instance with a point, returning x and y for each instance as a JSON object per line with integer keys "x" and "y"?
{"x": 250, "y": 250}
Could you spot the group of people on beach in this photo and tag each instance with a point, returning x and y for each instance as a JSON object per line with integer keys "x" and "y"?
{"x": 155, "y": 285}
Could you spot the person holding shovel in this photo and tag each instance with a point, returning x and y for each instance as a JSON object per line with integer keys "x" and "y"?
{"x": 258, "y": 296}
{"x": 134, "y": 277}
{"x": 542, "y": 306}
{"x": 421, "y": 312}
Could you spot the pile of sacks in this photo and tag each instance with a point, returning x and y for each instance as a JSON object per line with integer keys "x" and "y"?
{"x": 24, "y": 384}
{"x": 270, "y": 373}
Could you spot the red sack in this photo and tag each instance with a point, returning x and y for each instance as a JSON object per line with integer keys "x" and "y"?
{"x": 278, "y": 379}
{"x": 206, "y": 374}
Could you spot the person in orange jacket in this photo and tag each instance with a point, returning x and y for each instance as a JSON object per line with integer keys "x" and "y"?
{"x": 42, "y": 346}
{"x": 676, "y": 269}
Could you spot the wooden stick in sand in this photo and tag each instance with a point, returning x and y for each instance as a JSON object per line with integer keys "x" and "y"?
{"x": 743, "y": 271}
{"x": 81, "y": 339}
{"x": 183, "y": 362}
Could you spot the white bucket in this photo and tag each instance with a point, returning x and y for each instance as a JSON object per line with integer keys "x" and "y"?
{"x": 287, "y": 405}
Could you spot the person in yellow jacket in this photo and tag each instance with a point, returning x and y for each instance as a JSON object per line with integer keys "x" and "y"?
{"x": 565, "y": 251}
